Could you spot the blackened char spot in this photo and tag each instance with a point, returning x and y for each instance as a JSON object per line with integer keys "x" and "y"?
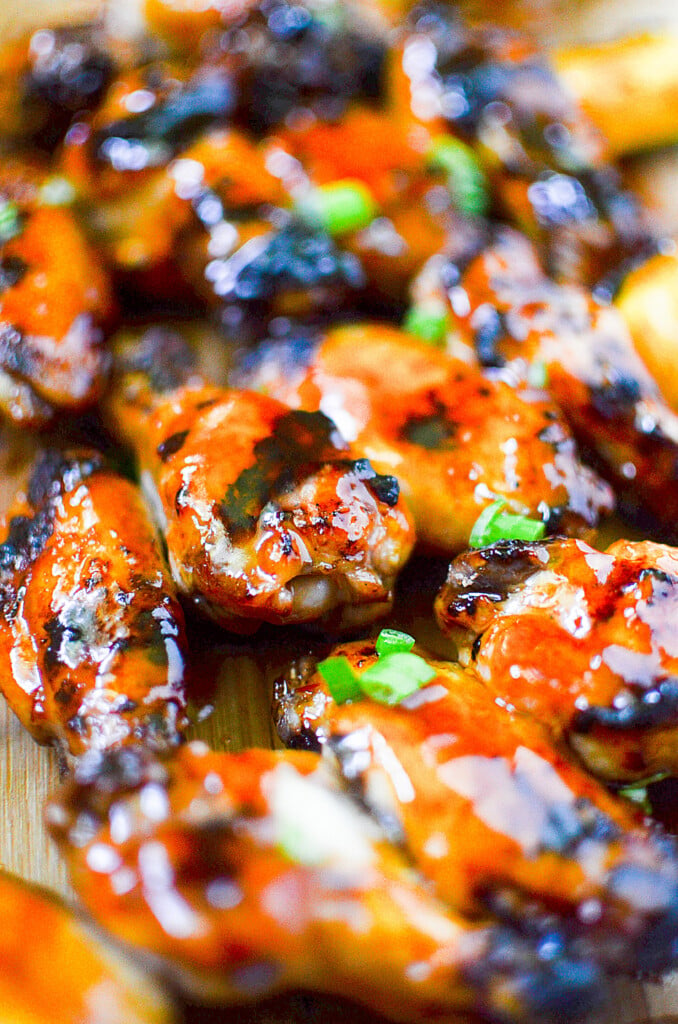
{"x": 490, "y": 574}
{"x": 616, "y": 397}
{"x": 299, "y": 442}
{"x": 653, "y": 708}
{"x": 163, "y": 355}
{"x": 12, "y": 270}
{"x": 171, "y": 445}
{"x": 385, "y": 488}
{"x": 56, "y": 472}
{"x": 26, "y": 539}
{"x": 432, "y": 432}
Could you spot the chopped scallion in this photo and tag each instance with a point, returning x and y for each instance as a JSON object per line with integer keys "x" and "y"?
{"x": 637, "y": 793}
{"x": 57, "y": 191}
{"x": 341, "y": 680}
{"x": 493, "y": 525}
{"x": 537, "y": 374}
{"x": 9, "y": 221}
{"x": 395, "y": 676}
{"x": 465, "y": 178}
{"x": 428, "y": 321}
{"x": 339, "y": 206}
{"x": 393, "y": 641}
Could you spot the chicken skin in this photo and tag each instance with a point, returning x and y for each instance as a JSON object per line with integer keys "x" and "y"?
{"x": 455, "y": 440}
{"x": 268, "y": 514}
{"x": 583, "y": 640}
{"x": 493, "y": 813}
{"x": 70, "y": 976}
{"x": 92, "y": 641}
{"x": 54, "y": 304}
{"x": 252, "y": 873}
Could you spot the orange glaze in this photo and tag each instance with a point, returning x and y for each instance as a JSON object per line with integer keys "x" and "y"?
{"x": 267, "y": 513}
{"x": 592, "y": 370}
{"x": 490, "y": 810}
{"x": 585, "y": 641}
{"x": 70, "y": 976}
{"x": 454, "y": 439}
{"x": 254, "y": 872}
{"x": 91, "y": 637}
{"x": 54, "y": 302}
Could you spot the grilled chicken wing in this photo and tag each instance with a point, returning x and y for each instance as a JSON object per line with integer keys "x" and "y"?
{"x": 254, "y": 872}
{"x": 54, "y": 302}
{"x": 268, "y": 514}
{"x": 454, "y": 439}
{"x": 583, "y": 640}
{"x": 91, "y": 637}
{"x": 68, "y": 976}
{"x": 510, "y": 316}
{"x": 547, "y": 162}
{"x": 493, "y": 813}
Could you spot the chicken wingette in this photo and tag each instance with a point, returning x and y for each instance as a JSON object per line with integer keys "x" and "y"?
{"x": 268, "y": 514}
{"x": 92, "y": 642}
{"x": 255, "y": 872}
{"x": 582, "y": 639}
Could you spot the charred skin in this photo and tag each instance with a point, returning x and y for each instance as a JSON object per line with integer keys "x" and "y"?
{"x": 54, "y": 303}
{"x": 267, "y": 513}
{"x": 262, "y": 872}
{"x": 583, "y": 640}
{"x": 454, "y": 439}
{"x": 48, "y": 78}
{"x": 493, "y": 813}
{"x": 514, "y": 317}
{"x": 549, "y": 168}
{"x": 70, "y": 970}
{"x": 91, "y": 637}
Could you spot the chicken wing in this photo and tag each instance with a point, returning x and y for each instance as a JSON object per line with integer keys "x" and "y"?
{"x": 493, "y": 812}
{"x": 268, "y": 514}
{"x": 54, "y": 303}
{"x": 254, "y": 872}
{"x": 454, "y": 439}
{"x": 69, "y": 976}
{"x": 583, "y": 640}
{"x": 92, "y": 638}
{"x": 511, "y": 317}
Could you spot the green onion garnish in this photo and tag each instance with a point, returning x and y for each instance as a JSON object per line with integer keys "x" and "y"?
{"x": 339, "y": 206}
{"x": 393, "y": 641}
{"x": 465, "y": 178}
{"x": 493, "y": 525}
{"x": 637, "y": 793}
{"x": 9, "y": 221}
{"x": 537, "y": 374}
{"x": 57, "y": 191}
{"x": 428, "y": 321}
{"x": 397, "y": 674}
{"x": 342, "y": 682}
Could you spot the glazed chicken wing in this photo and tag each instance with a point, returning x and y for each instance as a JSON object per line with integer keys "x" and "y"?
{"x": 268, "y": 514}
{"x": 254, "y": 872}
{"x": 583, "y": 640}
{"x": 54, "y": 302}
{"x": 509, "y": 316}
{"x": 69, "y": 976}
{"x": 92, "y": 638}
{"x": 455, "y": 440}
{"x": 493, "y": 813}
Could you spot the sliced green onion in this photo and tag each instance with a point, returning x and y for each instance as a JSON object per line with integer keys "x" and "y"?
{"x": 637, "y": 793}
{"x": 342, "y": 682}
{"x": 395, "y": 676}
{"x": 339, "y": 206}
{"x": 493, "y": 525}
{"x": 428, "y": 321}
{"x": 57, "y": 191}
{"x": 465, "y": 178}
{"x": 537, "y": 374}
{"x": 9, "y": 221}
{"x": 393, "y": 641}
